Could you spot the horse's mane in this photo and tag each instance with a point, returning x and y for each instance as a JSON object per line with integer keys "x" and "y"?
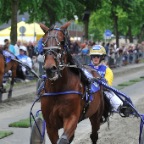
{"x": 78, "y": 69}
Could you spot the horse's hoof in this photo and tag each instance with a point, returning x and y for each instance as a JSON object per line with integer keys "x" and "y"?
{"x": 9, "y": 95}
{"x": 3, "y": 90}
{"x": 63, "y": 140}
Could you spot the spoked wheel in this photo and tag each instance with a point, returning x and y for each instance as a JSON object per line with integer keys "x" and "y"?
{"x": 38, "y": 132}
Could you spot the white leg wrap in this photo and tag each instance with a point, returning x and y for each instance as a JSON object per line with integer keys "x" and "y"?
{"x": 114, "y": 99}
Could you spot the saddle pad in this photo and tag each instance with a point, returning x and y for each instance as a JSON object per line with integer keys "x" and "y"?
{"x": 94, "y": 86}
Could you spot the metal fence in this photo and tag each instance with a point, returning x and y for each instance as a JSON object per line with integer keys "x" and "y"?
{"x": 116, "y": 61}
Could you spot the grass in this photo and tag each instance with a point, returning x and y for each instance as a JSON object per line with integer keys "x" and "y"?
{"x": 126, "y": 84}
{"x": 5, "y": 134}
{"x": 136, "y": 80}
{"x": 24, "y": 123}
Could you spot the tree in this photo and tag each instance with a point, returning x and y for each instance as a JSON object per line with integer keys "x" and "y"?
{"x": 100, "y": 21}
{"x": 89, "y": 6}
{"x": 47, "y": 11}
{"x": 13, "y": 33}
{"x": 9, "y": 10}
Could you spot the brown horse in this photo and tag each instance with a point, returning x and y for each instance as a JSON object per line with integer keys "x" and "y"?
{"x": 63, "y": 100}
{"x": 5, "y": 67}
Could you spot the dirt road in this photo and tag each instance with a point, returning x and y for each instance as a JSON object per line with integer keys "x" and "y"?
{"x": 122, "y": 130}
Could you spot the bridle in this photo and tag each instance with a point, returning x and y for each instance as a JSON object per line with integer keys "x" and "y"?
{"x": 59, "y": 51}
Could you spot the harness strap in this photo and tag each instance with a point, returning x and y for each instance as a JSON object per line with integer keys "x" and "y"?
{"x": 61, "y": 93}
{"x": 52, "y": 47}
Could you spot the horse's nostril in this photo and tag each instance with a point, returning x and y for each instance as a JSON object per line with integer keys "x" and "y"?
{"x": 54, "y": 68}
{"x": 51, "y": 69}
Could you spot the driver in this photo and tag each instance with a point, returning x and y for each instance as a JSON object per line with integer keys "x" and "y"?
{"x": 97, "y": 54}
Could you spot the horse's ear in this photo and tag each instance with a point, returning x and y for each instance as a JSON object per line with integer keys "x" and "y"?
{"x": 66, "y": 25}
{"x": 44, "y": 28}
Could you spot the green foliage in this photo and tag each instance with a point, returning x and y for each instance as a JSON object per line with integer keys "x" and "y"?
{"x": 129, "y": 13}
{"x": 5, "y": 13}
{"x": 100, "y": 21}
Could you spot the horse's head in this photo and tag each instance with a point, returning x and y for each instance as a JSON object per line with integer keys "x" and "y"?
{"x": 55, "y": 41}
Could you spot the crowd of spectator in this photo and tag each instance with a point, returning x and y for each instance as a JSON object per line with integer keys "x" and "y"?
{"x": 116, "y": 56}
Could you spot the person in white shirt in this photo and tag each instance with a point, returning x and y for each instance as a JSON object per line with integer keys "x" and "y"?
{"x": 24, "y": 58}
{"x": 17, "y": 46}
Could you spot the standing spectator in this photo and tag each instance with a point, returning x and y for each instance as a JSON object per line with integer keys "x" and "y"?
{"x": 40, "y": 60}
{"x": 17, "y": 46}
{"x": 40, "y": 57}
{"x": 107, "y": 52}
{"x": 11, "y": 47}
{"x": 84, "y": 53}
{"x": 30, "y": 49}
{"x": 107, "y": 48}
{"x": 76, "y": 48}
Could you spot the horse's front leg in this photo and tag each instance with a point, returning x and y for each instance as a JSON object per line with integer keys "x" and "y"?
{"x": 70, "y": 125}
{"x": 53, "y": 134}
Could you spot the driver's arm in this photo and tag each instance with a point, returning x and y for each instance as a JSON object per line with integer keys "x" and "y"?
{"x": 109, "y": 76}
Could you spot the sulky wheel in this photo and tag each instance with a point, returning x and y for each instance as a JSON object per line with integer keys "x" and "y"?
{"x": 142, "y": 137}
{"x": 38, "y": 132}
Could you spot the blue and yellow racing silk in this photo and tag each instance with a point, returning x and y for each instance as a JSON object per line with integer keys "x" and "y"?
{"x": 105, "y": 72}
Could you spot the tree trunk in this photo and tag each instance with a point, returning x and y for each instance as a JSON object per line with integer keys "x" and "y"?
{"x": 130, "y": 34}
{"x": 86, "y": 23}
{"x": 141, "y": 35}
{"x": 85, "y": 19}
{"x": 13, "y": 34}
{"x": 115, "y": 18}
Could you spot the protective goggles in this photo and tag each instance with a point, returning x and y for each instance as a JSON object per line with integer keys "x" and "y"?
{"x": 95, "y": 56}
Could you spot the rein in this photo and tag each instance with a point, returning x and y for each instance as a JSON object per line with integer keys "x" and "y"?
{"x": 54, "y": 93}
{"x": 61, "y": 93}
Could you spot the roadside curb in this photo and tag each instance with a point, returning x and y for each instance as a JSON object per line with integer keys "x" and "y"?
{"x": 128, "y": 69}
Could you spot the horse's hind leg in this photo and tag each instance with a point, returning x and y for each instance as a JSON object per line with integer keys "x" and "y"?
{"x": 12, "y": 82}
{"x": 1, "y": 85}
{"x": 0, "y": 96}
{"x": 11, "y": 88}
{"x": 95, "y": 123}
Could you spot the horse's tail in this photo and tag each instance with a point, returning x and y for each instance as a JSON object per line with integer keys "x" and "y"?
{"x": 107, "y": 110}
